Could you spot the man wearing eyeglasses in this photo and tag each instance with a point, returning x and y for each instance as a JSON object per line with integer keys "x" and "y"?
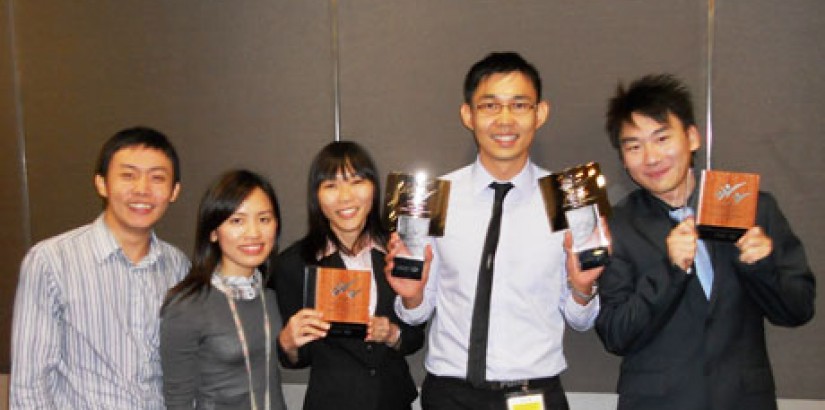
{"x": 497, "y": 343}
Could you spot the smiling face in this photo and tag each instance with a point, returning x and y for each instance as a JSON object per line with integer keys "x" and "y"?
{"x": 657, "y": 156}
{"x": 138, "y": 187}
{"x": 504, "y": 138}
{"x": 247, "y": 237}
{"x": 346, "y": 202}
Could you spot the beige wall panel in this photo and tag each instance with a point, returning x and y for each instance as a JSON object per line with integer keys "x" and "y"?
{"x": 12, "y": 207}
{"x": 769, "y": 95}
{"x": 234, "y": 84}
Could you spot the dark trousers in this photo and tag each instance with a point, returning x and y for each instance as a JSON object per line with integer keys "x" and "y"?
{"x": 450, "y": 393}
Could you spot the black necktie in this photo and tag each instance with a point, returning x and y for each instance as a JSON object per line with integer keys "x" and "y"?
{"x": 477, "y": 351}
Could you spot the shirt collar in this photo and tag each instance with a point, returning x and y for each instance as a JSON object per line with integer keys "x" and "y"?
{"x": 331, "y": 249}
{"x": 523, "y": 183}
{"x": 106, "y": 245}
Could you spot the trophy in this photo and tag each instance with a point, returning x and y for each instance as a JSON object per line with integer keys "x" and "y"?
{"x": 575, "y": 198}
{"x": 344, "y": 297}
{"x": 415, "y": 207}
{"x": 727, "y": 204}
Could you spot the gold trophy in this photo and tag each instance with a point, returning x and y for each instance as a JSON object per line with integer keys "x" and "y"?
{"x": 575, "y": 198}
{"x": 415, "y": 207}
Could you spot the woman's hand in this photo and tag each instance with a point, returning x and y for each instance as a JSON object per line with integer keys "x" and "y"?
{"x": 307, "y": 325}
{"x": 381, "y": 330}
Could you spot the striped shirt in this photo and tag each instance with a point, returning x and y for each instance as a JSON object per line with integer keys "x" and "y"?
{"x": 85, "y": 332}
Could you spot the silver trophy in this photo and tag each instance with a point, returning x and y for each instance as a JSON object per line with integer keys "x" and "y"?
{"x": 575, "y": 199}
{"x": 416, "y": 208}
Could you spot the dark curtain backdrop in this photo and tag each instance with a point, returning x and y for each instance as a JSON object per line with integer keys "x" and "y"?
{"x": 249, "y": 84}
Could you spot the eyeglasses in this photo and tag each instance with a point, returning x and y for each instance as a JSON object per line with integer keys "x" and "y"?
{"x": 495, "y": 107}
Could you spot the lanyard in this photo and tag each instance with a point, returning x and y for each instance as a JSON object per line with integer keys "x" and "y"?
{"x": 245, "y": 345}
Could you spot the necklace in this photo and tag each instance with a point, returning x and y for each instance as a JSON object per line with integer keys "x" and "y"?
{"x": 231, "y": 293}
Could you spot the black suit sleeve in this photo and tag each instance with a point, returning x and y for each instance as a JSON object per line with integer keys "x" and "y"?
{"x": 287, "y": 279}
{"x": 639, "y": 291}
{"x": 782, "y": 284}
{"x": 412, "y": 337}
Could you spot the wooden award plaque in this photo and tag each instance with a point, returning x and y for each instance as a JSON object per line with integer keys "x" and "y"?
{"x": 727, "y": 204}
{"x": 342, "y": 295}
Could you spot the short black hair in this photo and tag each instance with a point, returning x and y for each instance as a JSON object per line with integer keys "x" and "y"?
{"x": 499, "y": 63}
{"x": 654, "y": 96}
{"x": 136, "y": 137}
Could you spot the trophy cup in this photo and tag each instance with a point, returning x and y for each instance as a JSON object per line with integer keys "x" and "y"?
{"x": 344, "y": 297}
{"x": 415, "y": 207}
{"x": 727, "y": 204}
{"x": 575, "y": 198}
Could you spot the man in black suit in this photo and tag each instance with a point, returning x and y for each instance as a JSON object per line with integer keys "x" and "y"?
{"x": 689, "y": 342}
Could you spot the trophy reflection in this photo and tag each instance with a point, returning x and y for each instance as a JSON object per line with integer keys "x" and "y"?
{"x": 416, "y": 208}
{"x": 575, "y": 199}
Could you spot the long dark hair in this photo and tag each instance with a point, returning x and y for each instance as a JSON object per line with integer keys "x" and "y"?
{"x": 340, "y": 157}
{"x": 219, "y": 202}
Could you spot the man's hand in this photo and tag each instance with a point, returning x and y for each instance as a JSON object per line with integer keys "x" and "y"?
{"x": 754, "y": 245}
{"x": 410, "y": 290}
{"x": 681, "y": 243}
{"x": 582, "y": 280}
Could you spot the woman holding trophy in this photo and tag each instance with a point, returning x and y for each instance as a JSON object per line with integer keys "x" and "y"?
{"x": 350, "y": 368}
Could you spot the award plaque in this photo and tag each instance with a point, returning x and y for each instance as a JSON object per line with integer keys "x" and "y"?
{"x": 727, "y": 204}
{"x": 342, "y": 295}
{"x": 416, "y": 208}
{"x": 575, "y": 198}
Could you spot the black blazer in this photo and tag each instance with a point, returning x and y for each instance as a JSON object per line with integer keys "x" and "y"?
{"x": 348, "y": 373}
{"x": 682, "y": 351}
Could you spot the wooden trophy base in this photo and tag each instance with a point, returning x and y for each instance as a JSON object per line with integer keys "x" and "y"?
{"x": 407, "y": 268}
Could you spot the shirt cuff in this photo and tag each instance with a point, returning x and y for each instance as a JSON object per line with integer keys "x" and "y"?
{"x": 581, "y": 317}
{"x": 414, "y": 316}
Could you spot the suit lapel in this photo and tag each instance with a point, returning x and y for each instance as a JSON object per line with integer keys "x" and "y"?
{"x": 385, "y": 294}
{"x": 651, "y": 222}
{"x": 332, "y": 261}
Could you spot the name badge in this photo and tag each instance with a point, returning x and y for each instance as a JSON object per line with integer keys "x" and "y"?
{"x": 526, "y": 400}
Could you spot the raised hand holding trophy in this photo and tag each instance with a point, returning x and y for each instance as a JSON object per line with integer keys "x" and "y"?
{"x": 575, "y": 198}
{"x": 415, "y": 207}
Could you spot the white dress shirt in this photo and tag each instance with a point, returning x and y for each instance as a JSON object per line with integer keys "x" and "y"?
{"x": 530, "y": 300}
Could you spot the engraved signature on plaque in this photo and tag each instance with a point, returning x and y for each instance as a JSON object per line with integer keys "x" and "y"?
{"x": 728, "y": 191}
{"x": 344, "y": 288}
{"x": 343, "y": 295}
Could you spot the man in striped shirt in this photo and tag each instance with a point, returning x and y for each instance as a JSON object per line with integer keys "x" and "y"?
{"x": 85, "y": 331}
